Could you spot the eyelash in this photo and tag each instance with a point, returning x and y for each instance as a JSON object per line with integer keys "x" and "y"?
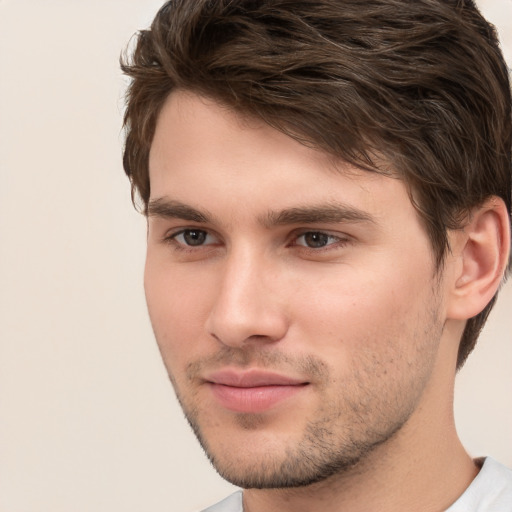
{"x": 331, "y": 240}
{"x": 335, "y": 240}
{"x": 171, "y": 239}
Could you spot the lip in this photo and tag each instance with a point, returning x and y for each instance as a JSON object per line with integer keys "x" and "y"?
{"x": 252, "y": 391}
{"x": 251, "y": 378}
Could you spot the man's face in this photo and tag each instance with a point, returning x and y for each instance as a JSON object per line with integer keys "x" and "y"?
{"x": 294, "y": 299}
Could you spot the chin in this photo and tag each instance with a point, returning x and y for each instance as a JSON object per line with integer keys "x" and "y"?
{"x": 268, "y": 462}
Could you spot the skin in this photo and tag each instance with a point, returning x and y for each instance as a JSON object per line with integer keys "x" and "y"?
{"x": 265, "y": 255}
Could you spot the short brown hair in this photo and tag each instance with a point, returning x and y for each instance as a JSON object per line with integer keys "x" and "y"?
{"x": 421, "y": 83}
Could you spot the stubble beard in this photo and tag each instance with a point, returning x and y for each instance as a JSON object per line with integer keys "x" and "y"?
{"x": 369, "y": 418}
{"x": 324, "y": 450}
{"x": 319, "y": 456}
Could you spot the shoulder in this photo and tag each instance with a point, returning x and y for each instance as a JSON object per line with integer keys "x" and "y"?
{"x": 232, "y": 503}
{"x": 490, "y": 491}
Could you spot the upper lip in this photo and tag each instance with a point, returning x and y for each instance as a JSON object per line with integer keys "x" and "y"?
{"x": 251, "y": 378}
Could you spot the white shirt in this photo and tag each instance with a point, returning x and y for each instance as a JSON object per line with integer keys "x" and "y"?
{"x": 490, "y": 491}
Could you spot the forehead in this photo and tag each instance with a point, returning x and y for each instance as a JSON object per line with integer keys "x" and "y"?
{"x": 196, "y": 123}
{"x": 204, "y": 150}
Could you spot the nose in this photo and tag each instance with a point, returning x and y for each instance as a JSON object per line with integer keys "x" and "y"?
{"x": 249, "y": 305}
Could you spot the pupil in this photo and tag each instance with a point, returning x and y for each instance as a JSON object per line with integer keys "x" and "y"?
{"x": 194, "y": 237}
{"x": 316, "y": 239}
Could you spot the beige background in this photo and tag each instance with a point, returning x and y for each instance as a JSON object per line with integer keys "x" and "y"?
{"x": 88, "y": 420}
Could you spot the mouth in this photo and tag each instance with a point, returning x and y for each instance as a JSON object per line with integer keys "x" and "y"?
{"x": 252, "y": 391}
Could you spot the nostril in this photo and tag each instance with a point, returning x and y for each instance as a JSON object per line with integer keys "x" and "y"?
{"x": 228, "y": 339}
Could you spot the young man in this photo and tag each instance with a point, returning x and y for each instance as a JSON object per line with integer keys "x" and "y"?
{"x": 327, "y": 185}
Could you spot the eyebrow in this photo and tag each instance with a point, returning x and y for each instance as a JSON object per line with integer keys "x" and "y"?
{"x": 333, "y": 212}
{"x": 328, "y": 213}
{"x": 170, "y": 209}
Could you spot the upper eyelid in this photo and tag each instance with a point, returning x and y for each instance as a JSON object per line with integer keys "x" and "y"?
{"x": 294, "y": 233}
{"x": 169, "y": 233}
{"x": 332, "y": 233}
{"x": 329, "y": 232}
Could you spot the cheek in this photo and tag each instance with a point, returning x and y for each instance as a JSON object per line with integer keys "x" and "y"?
{"x": 177, "y": 306}
{"x": 378, "y": 336}
{"x": 351, "y": 312}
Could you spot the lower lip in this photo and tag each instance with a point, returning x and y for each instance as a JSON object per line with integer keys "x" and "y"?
{"x": 253, "y": 400}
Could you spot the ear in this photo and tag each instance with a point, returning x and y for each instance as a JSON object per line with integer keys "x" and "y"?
{"x": 480, "y": 252}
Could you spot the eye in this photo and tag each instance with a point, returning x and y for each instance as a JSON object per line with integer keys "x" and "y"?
{"x": 193, "y": 238}
{"x": 316, "y": 239}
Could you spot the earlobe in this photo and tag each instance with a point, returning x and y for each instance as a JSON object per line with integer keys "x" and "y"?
{"x": 481, "y": 254}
